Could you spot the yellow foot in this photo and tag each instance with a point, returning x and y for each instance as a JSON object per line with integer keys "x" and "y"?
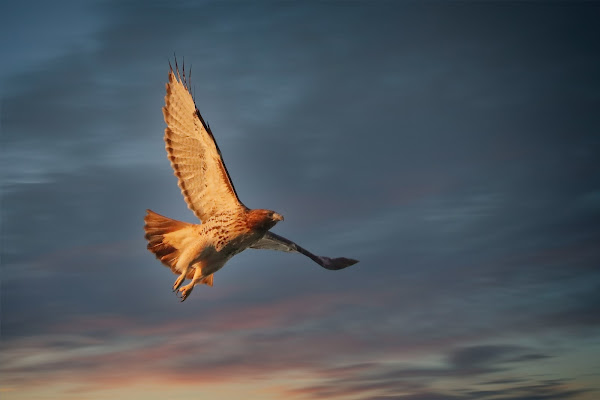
{"x": 185, "y": 291}
{"x": 178, "y": 282}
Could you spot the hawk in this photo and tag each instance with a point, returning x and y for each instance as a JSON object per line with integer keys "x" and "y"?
{"x": 228, "y": 227}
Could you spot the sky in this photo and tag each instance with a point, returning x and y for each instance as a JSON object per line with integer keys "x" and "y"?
{"x": 451, "y": 147}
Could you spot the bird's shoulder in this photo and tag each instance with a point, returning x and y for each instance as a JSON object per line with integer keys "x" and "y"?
{"x": 226, "y": 224}
{"x": 229, "y": 229}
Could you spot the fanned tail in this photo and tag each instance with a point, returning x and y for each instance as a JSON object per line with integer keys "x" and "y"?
{"x": 156, "y": 227}
{"x": 164, "y": 243}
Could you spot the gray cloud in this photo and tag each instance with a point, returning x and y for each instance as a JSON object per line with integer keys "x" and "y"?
{"x": 462, "y": 364}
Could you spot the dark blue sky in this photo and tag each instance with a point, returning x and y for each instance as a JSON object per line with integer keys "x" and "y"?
{"x": 451, "y": 147}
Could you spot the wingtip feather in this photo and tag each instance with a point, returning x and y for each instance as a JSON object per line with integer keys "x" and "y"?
{"x": 335, "y": 264}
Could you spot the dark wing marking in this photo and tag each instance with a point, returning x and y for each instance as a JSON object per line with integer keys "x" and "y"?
{"x": 272, "y": 241}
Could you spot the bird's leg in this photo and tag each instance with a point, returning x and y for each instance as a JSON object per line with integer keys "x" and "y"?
{"x": 179, "y": 280}
{"x": 183, "y": 265}
{"x": 187, "y": 289}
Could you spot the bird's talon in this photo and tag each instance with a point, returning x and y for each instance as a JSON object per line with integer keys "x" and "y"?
{"x": 184, "y": 292}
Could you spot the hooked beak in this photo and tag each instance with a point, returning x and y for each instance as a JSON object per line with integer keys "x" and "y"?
{"x": 277, "y": 217}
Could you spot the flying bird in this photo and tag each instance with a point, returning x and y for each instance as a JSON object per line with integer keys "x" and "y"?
{"x": 228, "y": 227}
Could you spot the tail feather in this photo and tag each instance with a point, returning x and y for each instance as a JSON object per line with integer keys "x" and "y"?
{"x": 166, "y": 249}
{"x": 156, "y": 227}
{"x": 208, "y": 280}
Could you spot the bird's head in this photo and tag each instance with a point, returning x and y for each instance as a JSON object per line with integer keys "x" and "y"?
{"x": 263, "y": 219}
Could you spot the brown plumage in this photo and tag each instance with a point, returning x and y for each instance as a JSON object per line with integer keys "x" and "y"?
{"x": 197, "y": 251}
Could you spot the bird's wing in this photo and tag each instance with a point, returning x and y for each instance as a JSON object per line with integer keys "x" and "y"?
{"x": 272, "y": 241}
{"x": 194, "y": 154}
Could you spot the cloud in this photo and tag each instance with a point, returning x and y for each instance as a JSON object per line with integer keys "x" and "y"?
{"x": 85, "y": 352}
{"x": 461, "y": 367}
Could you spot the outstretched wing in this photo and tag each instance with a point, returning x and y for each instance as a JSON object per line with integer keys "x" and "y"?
{"x": 194, "y": 154}
{"x": 272, "y": 241}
